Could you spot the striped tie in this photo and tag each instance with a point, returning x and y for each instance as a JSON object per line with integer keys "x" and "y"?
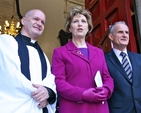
{"x": 126, "y": 65}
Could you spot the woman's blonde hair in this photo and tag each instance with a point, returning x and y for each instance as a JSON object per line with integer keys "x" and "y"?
{"x": 78, "y": 10}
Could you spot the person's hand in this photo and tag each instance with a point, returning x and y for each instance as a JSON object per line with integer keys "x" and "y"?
{"x": 43, "y": 104}
{"x": 98, "y": 94}
{"x": 103, "y": 92}
{"x": 40, "y": 95}
{"x": 92, "y": 95}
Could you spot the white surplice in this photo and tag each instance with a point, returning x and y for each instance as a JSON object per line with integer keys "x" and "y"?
{"x": 15, "y": 88}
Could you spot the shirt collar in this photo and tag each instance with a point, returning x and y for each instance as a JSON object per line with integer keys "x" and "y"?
{"x": 117, "y": 52}
{"x": 29, "y": 40}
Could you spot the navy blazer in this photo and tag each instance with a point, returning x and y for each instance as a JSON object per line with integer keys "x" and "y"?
{"x": 126, "y": 97}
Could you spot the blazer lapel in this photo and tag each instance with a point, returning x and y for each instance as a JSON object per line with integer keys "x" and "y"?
{"x": 134, "y": 66}
{"x": 113, "y": 58}
{"x": 92, "y": 52}
{"x": 75, "y": 51}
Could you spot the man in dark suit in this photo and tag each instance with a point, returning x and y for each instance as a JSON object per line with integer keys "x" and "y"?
{"x": 125, "y": 70}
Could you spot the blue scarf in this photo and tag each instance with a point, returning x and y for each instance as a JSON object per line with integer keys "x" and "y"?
{"x": 24, "y": 57}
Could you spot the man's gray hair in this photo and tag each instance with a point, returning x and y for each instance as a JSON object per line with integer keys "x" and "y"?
{"x": 113, "y": 26}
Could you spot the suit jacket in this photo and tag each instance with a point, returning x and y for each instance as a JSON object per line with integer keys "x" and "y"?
{"x": 126, "y": 97}
{"x": 74, "y": 73}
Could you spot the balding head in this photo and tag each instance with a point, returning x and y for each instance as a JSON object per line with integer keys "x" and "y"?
{"x": 30, "y": 12}
{"x": 33, "y": 23}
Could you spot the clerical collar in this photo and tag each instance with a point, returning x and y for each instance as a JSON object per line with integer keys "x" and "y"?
{"x": 28, "y": 40}
{"x": 32, "y": 41}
